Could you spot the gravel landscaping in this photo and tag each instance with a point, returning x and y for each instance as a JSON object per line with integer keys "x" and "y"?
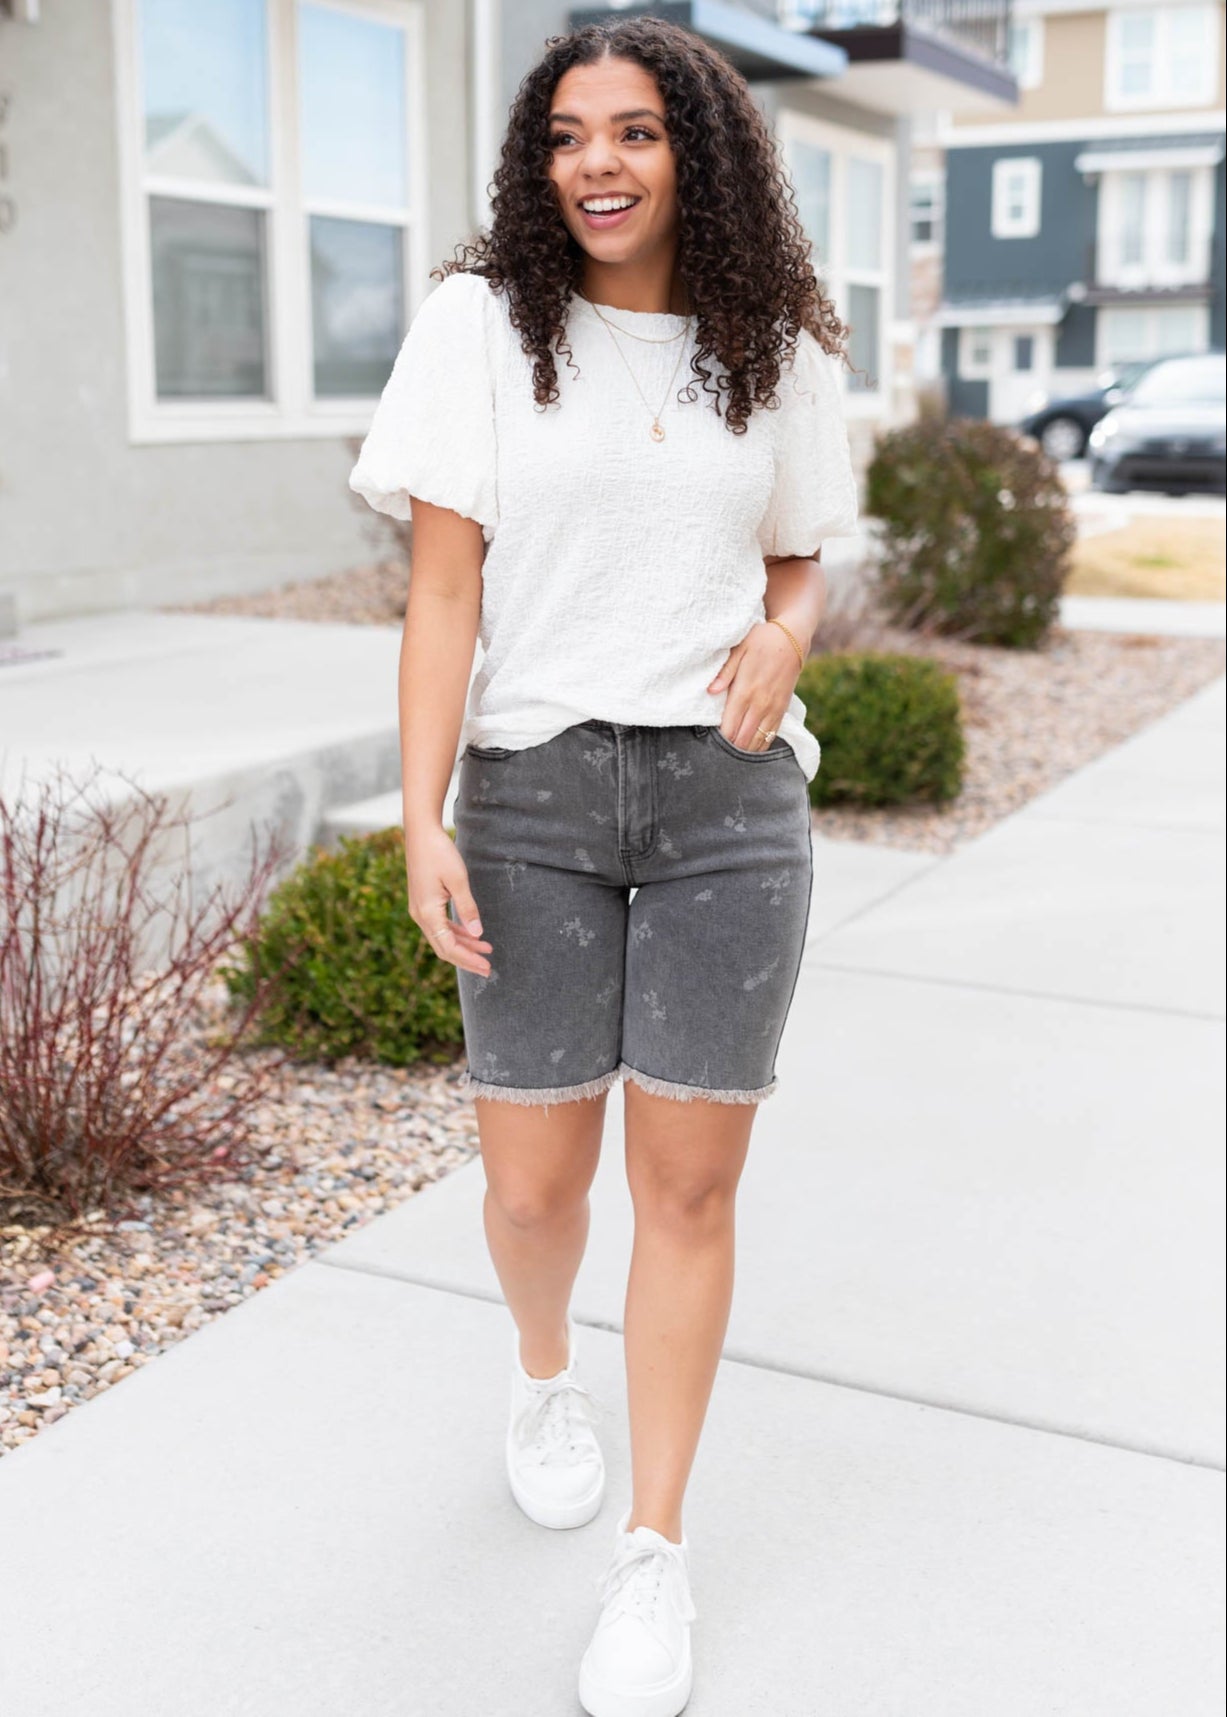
{"x": 1031, "y": 716}
{"x": 81, "y": 1309}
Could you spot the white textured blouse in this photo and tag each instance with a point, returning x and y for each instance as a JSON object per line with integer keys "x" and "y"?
{"x": 619, "y": 570}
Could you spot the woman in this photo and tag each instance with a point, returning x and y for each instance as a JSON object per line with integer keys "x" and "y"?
{"x": 628, "y": 890}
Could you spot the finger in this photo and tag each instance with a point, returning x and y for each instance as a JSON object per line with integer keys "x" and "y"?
{"x": 462, "y": 936}
{"x": 722, "y": 677}
{"x": 448, "y": 944}
{"x": 466, "y": 910}
{"x": 460, "y": 932}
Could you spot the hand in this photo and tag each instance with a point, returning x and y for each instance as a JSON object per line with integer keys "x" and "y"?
{"x": 436, "y": 874}
{"x": 761, "y": 676}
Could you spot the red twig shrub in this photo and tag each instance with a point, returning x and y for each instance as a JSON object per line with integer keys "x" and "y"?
{"x": 108, "y": 1087}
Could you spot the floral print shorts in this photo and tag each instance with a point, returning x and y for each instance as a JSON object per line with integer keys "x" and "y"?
{"x": 646, "y": 891}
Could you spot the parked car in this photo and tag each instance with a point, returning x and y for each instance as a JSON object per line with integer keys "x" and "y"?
{"x": 1063, "y": 425}
{"x": 1169, "y": 433}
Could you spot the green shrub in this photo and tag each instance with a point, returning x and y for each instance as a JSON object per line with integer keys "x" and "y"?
{"x": 977, "y": 531}
{"x": 890, "y": 728}
{"x": 349, "y": 971}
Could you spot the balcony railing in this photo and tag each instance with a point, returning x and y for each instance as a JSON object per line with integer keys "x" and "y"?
{"x": 981, "y": 25}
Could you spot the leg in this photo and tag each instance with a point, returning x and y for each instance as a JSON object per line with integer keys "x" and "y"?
{"x": 542, "y": 1028}
{"x": 684, "y": 1161}
{"x": 539, "y": 1164}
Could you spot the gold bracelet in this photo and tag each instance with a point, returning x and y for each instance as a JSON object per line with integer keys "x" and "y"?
{"x": 796, "y": 646}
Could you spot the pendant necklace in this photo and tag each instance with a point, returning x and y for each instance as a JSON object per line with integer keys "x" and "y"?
{"x": 657, "y": 431}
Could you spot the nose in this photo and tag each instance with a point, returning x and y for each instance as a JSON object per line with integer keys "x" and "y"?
{"x": 600, "y": 157}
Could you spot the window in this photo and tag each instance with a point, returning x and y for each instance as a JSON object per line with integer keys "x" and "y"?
{"x": 811, "y": 177}
{"x": 865, "y": 204}
{"x": 925, "y": 208}
{"x": 842, "y": 183}
{"x": 1179, "y": 203}
{"x": 1024, "y": 352}
{"x": 1154, "y": 226}
{"x": 272, "y": 178}
{"x": 1126, "y": 333}
{"x": 975, "y": 353}
{"x": 1162, "y": 57}
{"x": 1026, "y": 51}
{"x": 1016, "y": 197}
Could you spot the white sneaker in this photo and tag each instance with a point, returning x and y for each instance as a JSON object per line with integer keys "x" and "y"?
{"x": 554, "y": 1462}
{"x": 638, "y": 1661}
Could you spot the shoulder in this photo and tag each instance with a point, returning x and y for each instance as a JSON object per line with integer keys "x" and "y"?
{"x": 810, "y": 368}
{"x": 460, "y": 302}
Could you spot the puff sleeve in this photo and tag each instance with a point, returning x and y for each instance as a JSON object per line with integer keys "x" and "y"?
{"x": 814, "y": 494}
{"x": 433, "y": 432}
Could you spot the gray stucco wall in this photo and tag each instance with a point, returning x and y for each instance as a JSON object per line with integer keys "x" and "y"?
{"x": 87, "y": 520}
{"x": 1218, "y": 304}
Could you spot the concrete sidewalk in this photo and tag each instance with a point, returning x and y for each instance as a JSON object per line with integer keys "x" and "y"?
{"x": 964, "y": 1455}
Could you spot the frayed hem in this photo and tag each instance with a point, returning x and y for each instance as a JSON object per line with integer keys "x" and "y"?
{"x": 539, "y": 1094}
{"x": 689, "y": 1093}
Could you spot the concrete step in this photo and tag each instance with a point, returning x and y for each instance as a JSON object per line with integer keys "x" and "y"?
{"x": 243, "y": 722}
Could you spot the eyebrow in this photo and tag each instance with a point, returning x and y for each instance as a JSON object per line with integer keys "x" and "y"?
{"x": 617, "y": 118}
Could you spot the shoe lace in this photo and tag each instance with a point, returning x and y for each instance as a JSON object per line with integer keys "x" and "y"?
{"x": 547, "y": 1426}
{"x": 634, "y": 1579}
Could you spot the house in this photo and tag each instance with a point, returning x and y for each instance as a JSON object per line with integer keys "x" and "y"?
{"x": 1090, "y": 229}
{"x": 217, "y": 221}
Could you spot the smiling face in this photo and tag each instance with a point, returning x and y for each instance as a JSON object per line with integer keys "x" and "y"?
{"x": 609, "y": 145}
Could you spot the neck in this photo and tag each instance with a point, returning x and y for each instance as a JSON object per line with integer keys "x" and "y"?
{"x": 650, "y": 288}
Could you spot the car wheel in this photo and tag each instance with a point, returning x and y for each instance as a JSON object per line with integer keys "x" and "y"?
{"x": 1063, "y": 438}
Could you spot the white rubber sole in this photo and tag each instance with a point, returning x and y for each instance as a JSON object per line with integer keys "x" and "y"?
{"x": 558, "y": 1515}
{"x": 666, "y": 1699}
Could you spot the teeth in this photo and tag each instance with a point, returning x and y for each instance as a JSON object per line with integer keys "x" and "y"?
{"x": 606, "y": 205}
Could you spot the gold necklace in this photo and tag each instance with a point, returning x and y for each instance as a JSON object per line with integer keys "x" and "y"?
{"x": 657, "y": 431}
{"x": 650, "y": 339}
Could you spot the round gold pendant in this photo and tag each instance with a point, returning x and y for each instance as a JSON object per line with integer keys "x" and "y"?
{"x": 656, "y": 432}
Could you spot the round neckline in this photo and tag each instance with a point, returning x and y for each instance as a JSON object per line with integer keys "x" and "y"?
{"x": 645, "y": 318}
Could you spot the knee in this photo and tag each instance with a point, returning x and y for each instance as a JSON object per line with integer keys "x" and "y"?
{"x": 527, "y": 1205}
{"x": 693, "y": 1207}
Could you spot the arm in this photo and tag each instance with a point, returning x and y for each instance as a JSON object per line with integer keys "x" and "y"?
{"x": 436, "y": 659}
{"x": 796, "y": 594}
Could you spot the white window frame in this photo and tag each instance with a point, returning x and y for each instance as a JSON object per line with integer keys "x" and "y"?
{"x": 1154, "y": 268}
{"x": 1161, "y": 92}
{"x": 1028, "y": 170}
{"x": 1028, "y": 67}
{"x": 1199, "y": 314}
{"x": 970, "y": 336}
{"x": 291, "y": 411}
{"x": 843, "y": 142}
{"x": 932, "y": 179}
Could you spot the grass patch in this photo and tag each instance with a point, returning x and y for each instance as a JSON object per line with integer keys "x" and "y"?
{"x": 1182, "y": 559}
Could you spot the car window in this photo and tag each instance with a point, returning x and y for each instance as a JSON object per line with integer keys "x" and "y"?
{"x": 1183, "y": 381}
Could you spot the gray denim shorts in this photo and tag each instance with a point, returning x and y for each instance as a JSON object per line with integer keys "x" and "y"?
{"x": 646, "y": 891}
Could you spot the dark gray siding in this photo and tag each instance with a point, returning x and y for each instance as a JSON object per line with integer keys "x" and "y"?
{"x": 965, "y": 398}
{"x": 1076, "y": 338}
{"x": 981, "y": 266}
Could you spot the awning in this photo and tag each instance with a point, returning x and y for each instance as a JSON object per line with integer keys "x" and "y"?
{"x": 759, "y": 48}
{"x": 1151, "y": 152}
{"x": 1002, "y": 313}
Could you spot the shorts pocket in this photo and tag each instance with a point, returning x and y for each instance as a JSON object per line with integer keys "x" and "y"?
{"x": 493, "y": 752}
{"x": 779, "y": 747}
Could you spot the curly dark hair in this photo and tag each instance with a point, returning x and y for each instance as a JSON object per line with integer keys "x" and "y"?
{"x": 743, "y": 255}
